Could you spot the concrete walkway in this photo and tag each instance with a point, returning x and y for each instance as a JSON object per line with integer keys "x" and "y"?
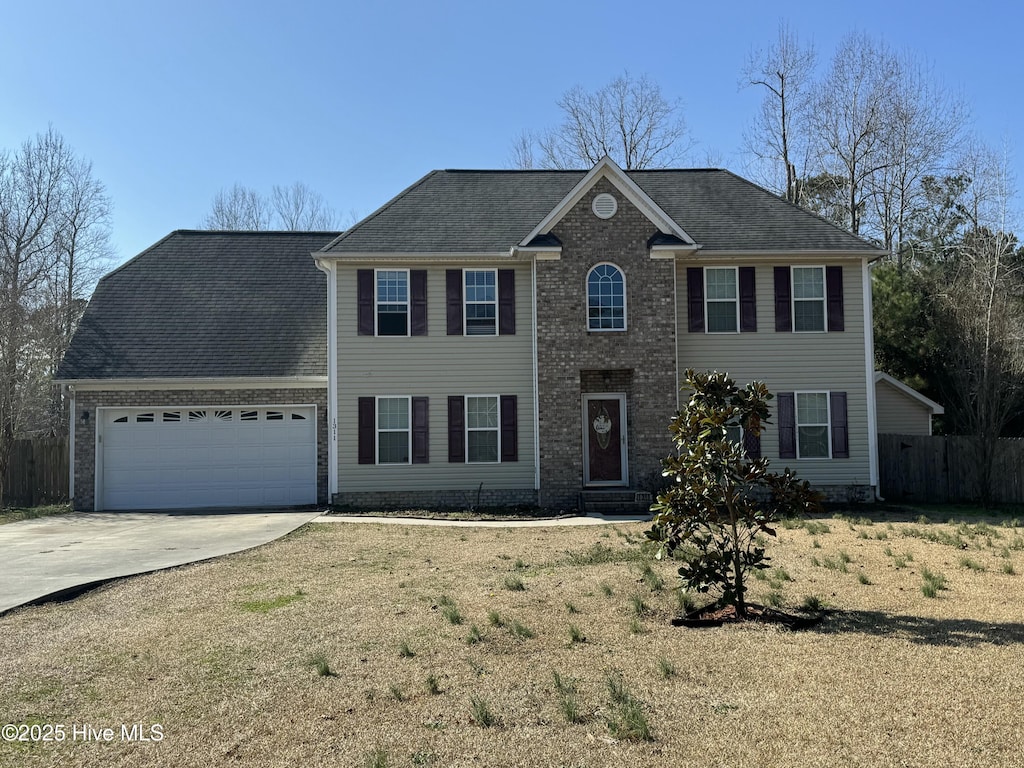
{"x": 60, "y": 556}
{"x": 540, "y": 523}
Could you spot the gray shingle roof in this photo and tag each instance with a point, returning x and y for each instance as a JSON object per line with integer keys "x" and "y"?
{"x": 208, "y": 304}
{"x": 490, "y": 211}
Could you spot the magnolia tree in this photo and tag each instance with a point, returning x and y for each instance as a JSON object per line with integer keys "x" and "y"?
{"x": 722, "y": 498}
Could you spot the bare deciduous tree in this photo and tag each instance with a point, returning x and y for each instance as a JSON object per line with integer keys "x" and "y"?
{"x": 629, "y": 119}
{"x": 851, "y": 108}
{"x": 300, "y": 208}
{"x": 238, "y": 208}
{"x": 292, "y": 208}
{"x": 54, "y": 227}
{"x": 778, "y": 136}
{"x": 923, "y": 127}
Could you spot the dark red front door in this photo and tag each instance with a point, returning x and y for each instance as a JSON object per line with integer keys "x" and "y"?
{"x": 604, "y": 441}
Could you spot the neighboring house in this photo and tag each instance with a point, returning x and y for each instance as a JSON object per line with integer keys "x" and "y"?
{"x": 901, "y": 409}
{"x": 501, "y": 336}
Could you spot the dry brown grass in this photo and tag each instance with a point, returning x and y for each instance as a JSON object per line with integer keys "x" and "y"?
{"x": 224, "y": 655}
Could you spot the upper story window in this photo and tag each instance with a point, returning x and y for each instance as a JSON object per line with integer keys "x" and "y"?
{"x": 481, "y": 293}
{"x": 392, "y": 302}
{"x": 808, "y": 298}
{"x": 721, "y": 294}
{"x": 606, "y": 299}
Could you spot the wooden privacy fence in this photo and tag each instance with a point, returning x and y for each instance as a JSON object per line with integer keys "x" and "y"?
{"x": 944, "y": 469}
{"x": 38, "y": 472}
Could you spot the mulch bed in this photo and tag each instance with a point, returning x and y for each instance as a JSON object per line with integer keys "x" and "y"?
{"x": 716, "y": 615}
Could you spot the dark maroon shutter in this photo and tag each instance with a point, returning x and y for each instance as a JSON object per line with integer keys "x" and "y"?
{"x": 453, "y": 300}
{"x": 834, "y": 297}
{"x": 418, "y": 294}
{"x": 752, "y": 445}
{"x": 787, "y": 425}
{"x": 367, "y": 429}
{"x": 364, "y": 301}
{"x": 748, "y": 300}
{"x": 456, "y": 430}
{"x": 420, "y": 430}
{"x": 695, "y": 298}
{"x": 783, "y": 300}
{"x": 506, "y": 302}
{"x": 509, "y": 429}
{"x": 840, "y": 430}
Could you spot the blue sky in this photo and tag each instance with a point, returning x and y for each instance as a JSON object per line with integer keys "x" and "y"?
{"x": 172, "y": 101}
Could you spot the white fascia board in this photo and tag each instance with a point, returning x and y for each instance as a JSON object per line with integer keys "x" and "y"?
{"x": 258, "y": 382}
{"x": 607, "y": 169}
{"x": 936, "y": 409}
{"x": 673, "y": 251}
{"x": 779, "y": 253}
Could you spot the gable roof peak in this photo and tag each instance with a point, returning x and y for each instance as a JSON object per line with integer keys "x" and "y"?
{"x": 606, "y": 168}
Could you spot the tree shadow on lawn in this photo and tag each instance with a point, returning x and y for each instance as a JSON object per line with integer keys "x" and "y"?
{"x": 961, "y": 633}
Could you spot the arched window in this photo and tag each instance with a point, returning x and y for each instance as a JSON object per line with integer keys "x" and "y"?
{"x": 606, "y": 299}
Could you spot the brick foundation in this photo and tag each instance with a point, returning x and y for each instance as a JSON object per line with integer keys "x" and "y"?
{"x": 454, "y": 499}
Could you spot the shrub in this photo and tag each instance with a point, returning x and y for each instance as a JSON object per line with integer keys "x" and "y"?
{"x": 721, "y": 501}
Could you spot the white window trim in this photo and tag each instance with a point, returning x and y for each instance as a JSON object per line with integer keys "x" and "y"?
{"x": 377, "y": 430}
{"x": 707, "y": 317}
{"x": 408, "y": 305}
{"x": 625, "y": 299}
{"x": 823, "y": 299}
{"x": 827, "y": 424}
{"x": 467, "y": 430}
{"x": 466, "y": 302}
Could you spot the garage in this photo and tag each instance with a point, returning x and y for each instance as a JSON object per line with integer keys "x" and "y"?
{"x": 206, "y": 456}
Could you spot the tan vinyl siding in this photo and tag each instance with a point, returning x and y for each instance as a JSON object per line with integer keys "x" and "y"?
{"x": 792, "y": 362}
{"x": 434, "y": 366}
{"x": 899, "y": 414}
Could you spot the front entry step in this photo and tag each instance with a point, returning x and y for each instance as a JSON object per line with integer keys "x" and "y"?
{"x": 615, "y": 501}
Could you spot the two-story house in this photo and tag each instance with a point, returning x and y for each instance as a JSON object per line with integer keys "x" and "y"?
{"x": 488, "y": 336}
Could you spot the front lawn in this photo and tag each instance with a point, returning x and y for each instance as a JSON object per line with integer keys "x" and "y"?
{"x": 363, "y": 644}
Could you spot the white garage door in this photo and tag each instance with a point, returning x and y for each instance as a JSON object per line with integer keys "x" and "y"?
{"x": 176, "y": 458}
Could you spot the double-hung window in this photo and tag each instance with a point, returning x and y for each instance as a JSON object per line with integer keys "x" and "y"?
{"x": 812, "y": 425}
{"x": 394, "y": 438}
{"x": 482, "y": 429}
{"x": 606, "y": 299}
{"x": 722, "y": 297}
{"x": 808, "y": 298}
{"x": 481, "y": 294}
{"x": 392, "y": 302}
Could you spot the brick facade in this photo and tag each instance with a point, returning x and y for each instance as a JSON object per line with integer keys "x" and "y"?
{"x": 639, "y": 362}
{"x": 88, "y": 401}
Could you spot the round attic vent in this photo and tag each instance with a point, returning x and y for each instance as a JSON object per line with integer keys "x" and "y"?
{"x": 604, "y": 206}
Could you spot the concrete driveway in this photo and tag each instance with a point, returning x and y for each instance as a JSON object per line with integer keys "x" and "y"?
{"x": 56, "y": 556}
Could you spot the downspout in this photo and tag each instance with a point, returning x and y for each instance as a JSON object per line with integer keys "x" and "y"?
{"x": 675, "y": 309}
{"x": 536, "y": 388}
{"x": 69, "y": 390}
{"x": 330, "y": 269}
{"x": 869, "y": 373}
